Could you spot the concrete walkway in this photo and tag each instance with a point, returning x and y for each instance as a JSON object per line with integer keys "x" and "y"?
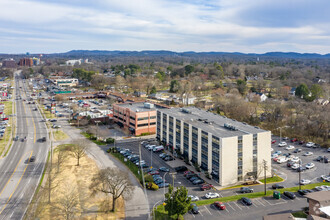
{"x": 135, "y": 208}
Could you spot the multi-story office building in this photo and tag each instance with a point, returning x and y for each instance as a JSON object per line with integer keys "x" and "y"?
{"x": 136, "y": 117}
{"x": 230, "y": 150}
{"x": 26, "y": 62}
{"x": 9, "y": 63}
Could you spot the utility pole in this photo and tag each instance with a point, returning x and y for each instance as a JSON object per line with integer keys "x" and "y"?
{"x": 144, "y": 185}
{"x": 300, "y": 166}
{"x": 265, "y": 169}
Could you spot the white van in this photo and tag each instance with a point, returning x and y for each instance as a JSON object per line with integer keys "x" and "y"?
{"x": 282, "y": 160}
{"x": 158, "y": 148}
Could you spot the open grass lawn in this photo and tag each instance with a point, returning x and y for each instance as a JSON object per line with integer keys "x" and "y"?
{"x": 59, "y": 135}
{"x": 299, "y": 214}
{"x": 274, "y": 179}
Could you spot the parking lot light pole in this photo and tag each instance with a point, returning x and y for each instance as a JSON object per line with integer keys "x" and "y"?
{"x": 151, "y": 158}
{"x": 300, "y": 165}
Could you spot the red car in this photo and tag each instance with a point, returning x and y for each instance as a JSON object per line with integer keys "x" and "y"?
{"x": 206, "y": 187}
{"x": 154, "y": 172}
{"x": 220, "y": 205}
{"x": 273, "y": 141}
{"x": 5, "y": 119}
{"x": 294, "y": 140}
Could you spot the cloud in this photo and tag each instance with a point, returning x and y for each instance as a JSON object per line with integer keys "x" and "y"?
{"x": 200, "y": 25}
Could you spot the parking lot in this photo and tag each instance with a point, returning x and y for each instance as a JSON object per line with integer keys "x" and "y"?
{"x": 259, "y": 208}
{"x": 292, "y": 176}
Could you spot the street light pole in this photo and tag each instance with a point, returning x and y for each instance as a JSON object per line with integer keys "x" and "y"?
{"x": 151, "y": 158}
{"x": 300, "y": 173}
{"x": 265, "y": 169}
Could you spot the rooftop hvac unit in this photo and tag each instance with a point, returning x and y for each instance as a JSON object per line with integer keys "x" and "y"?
{"x": 149, "y": 105}
{"x": 230, "y": 127}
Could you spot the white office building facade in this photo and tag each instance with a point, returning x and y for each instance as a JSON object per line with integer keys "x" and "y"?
{"x": 227, "y": 149}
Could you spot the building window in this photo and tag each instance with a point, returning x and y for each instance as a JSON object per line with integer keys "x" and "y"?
{"x": 239, "y": 159}
{"x": 255, "y": 153}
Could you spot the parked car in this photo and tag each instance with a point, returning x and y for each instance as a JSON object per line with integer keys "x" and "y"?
{"x": 194, "y": 208}
{"x": 192, "y": 179}
{"x": 301, "y": 142}
{"x": 308, "y": 153}
{"x": 293, "y": 140}
{"x": 158, "y": 181}
{"x": 206, "y": 187}
{"x": 295, "y": 166}
{"x": 246, "y": 201}
{"x": 304, "y": 181}
{"x": 211, "y": 195}
{"x": 164, "y": 169}
{"x": 290, "y": 147}
{"x": 185, "y": 173}
{"x": 246, "y": 190}
{"x": 219, "y": 205}
{"x": 273, "y": 141}
{"x": 290, "y": 163}
{"x": 303, "y": 192}
{"x": 310, "y": 144}
{"x": 181, "y": 169}
{"x": 285, "y": 139}
{"x": 277, "y": 186}
{"x": 168, "y": 158}
{"x": 163, "y": 155}
{"x": 193, "y": 198}
{"x": 319, "y": 158}
{"x": 295, "y": 159}
{"x": 324, "y": 177}
{"x": 290, "y": 195}
{"x": 310, "y": 165}
{"x": 278, "y": 152}
{"x": 198, "y": 181}
{"x": 282, "y": 144}
{"x": 297, "y": 150}
{"x": 301, "y": 169}
{"x": 155, "y": 172}
{"x": 190, "y": 175}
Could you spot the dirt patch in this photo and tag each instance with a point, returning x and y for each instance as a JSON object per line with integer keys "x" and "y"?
{"x": 70, "y": 189}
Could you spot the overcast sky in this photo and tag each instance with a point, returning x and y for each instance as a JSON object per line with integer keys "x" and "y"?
{"x": 250, "y": 26}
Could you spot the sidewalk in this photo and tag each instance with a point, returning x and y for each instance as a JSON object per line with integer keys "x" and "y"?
{"x": 135, "y": 208}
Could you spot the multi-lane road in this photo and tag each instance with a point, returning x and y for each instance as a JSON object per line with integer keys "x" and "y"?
{"x": 18, "y": 176}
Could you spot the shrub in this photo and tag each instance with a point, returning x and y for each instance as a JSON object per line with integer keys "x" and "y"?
{"x": 148, "y": 178}
{"x": 109, "y": 140}
{"x": 152, "y": 186}
{"x": 93, "y": 138}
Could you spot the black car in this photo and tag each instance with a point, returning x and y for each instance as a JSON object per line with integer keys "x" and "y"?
{"x": 277, "y": 186}
{"x": 43, "y": 139}
{"x": 198, "y": 181}
{"x": 319, "y": 158}
{"x": 194, "y": 208}
{"x": 32, "y": 159}
{"x": 246, "y": 190}
{"x": 303, "y": 192}
{"x": 246, "y": 201}
{"x": 169, "y": 158}
{"x": 301, "y": 169}
{"x": 181, "y": 169}
{"x": 290, "y": 195}
{"x": 188, "y": 176}
{"x": 16, "y": 138}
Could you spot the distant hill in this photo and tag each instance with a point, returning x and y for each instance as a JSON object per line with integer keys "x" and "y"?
{"x": 189, "y": 53}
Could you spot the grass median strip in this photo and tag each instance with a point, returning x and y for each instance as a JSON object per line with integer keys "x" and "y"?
{"x": 257, "y": 194}
{"x": 93, "y": 138}
{"x": 275, "y": 179}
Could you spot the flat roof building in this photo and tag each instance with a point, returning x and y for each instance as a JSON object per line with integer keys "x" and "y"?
{"x": 229, "y": 150}
{"x": 136, "y": 117}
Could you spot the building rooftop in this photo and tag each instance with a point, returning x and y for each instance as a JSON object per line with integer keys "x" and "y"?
{"x": 220, "y": 126}
{"x": 140, "y": 106}
{"x": 320, "y": 196}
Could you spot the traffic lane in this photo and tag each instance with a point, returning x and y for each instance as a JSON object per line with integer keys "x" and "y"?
{"x": 259, "y": 208}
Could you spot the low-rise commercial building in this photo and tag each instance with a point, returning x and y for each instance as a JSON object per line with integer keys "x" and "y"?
{"x": 230, "y": 150}
{"x": 9, "y": 63}
{"x": 65, "y": 82}
{"x": 136, "y": 117}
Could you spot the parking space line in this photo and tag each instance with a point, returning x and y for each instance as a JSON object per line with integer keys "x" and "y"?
{"x": 237, "y": 206}
{"x": 245, "y": 205}
{"x": 231, "y": 206}
{"x": 267, "y": 201}
{"x": 208, "y": 210}
{"x": 260, "y": 202}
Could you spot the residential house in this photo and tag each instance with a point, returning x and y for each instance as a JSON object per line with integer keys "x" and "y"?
{"x": 319, "y": 203}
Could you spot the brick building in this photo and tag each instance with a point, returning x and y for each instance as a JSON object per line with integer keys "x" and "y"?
{"x": 26, "y": 62}
{"x": 9, "y": 63}
{"x": 136, "y": 117}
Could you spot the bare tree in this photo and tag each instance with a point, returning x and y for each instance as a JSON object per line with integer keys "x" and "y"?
{"x": 78, "y": 149}
{"x": 67, "y": 204}
{"x": 62, "y": 156}
{"x": 51, "y": 182}
{"x": 112, "y": 181}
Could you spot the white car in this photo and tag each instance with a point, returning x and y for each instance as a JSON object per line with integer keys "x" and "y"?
{"x": 290, "y": 147}
{"x": 327, "y": 179}
{"x": 295, "y": 166}
{"x": 310, "y": 165}
{"x": 271, "y": 149}
{"x": 274, "y": 156}
{"x": 324, "y": 177}
{"x": 211, "y": 195}
{"x": 304, "y": 182}
{"x": 193, "y": 198}
{"x": 295, "y": 159}
{"x": 282, "y": 144}
{"x": 310, "y": 144}
{"x": 278, "y": 152}
{"x": 308, "y": 153}
{"x": 141, "y": 162}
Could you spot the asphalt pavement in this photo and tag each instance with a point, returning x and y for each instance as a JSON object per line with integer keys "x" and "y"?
{"x": 19, "y": 177}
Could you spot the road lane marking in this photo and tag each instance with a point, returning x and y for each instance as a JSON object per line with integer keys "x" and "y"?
{"x": 12, "y": 174}
{"x": 25, "y": 114}
{"x": 35, "y": 131}
{"x": 16, "y": 185}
